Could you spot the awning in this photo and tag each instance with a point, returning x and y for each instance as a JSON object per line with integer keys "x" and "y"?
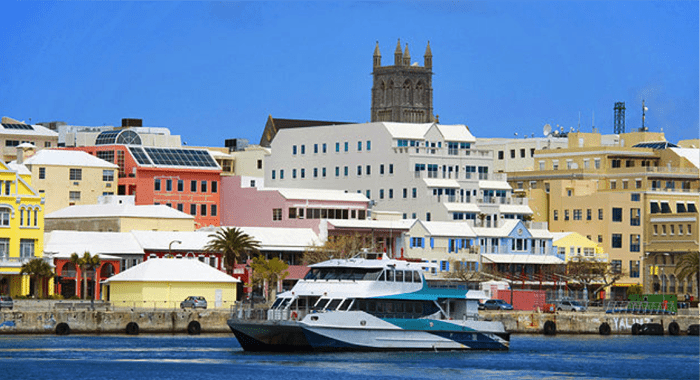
{"x": 498, "y": 185}
{"x": 462, "y": 207}
{"x": 438, "y": 182}
{"x": 514, "y": 209}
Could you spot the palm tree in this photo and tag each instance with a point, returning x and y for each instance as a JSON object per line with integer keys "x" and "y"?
{"x": 689, "y": 266}
{"x": 232, "y": 243}
{"x": 86, "y": 262}
{"x": 37, "y": 269}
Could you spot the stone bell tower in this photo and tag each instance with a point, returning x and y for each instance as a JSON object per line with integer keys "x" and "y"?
{"x": 402, "y": 92}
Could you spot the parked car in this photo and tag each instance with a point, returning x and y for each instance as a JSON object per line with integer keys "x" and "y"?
{"x": 497, "y": 305}
{"x": 570, "y": 306}
{"x": 194, "y": 302}
{"x": 6, "y": 302}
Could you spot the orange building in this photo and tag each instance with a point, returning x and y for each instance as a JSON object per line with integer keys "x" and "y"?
{"x": 185, "y": 179}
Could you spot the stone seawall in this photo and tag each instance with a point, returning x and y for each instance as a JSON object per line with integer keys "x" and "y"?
{"x": 113, "y": 322}
{"x": 214, "y": 321}
{"x": 530, "y": 322}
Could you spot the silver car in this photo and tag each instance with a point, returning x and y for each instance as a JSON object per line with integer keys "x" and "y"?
{"x": 6, "y": 302}
{"x": 194, "y": 302}
{"x": 570, "y": 306}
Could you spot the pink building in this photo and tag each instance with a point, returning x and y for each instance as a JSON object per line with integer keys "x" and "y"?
{"x": 245, "y": 202}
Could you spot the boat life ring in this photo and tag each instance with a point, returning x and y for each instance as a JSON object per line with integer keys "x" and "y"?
{"x": 194, "y": 328}
{"x": 132, "y": 328}
{"x": 295, "y": 315}
{"x": 62, "y": 329}
{"x": 673, "y": 328}
{"x": 550, "y": 328}
{"x": 604, "y": 329}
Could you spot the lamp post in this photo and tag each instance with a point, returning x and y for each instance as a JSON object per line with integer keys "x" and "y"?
{"x": 249, "y": 269}
{"x": 170, "y": 247}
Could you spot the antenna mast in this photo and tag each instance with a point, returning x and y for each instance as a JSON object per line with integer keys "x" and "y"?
{"x": 619, "y": 120}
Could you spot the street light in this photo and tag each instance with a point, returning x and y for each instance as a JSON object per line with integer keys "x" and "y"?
{"x": 249, "y": 268}
{"x": 170, "y": 247}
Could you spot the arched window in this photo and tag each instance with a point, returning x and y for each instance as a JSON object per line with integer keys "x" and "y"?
{"x": 407, "y": 93}
{"x": 420, "y": 93}
{"x": 664, "y": 283}
{"x": 672, "y": 284}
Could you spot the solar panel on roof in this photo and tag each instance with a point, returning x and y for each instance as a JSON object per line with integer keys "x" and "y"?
{"x": 180, "y": 157}
{"x": 139, "y": 155}
{"x": 106, "y": 138}
{"x": 18, "y": 126}
{"x": 656, "y": 145}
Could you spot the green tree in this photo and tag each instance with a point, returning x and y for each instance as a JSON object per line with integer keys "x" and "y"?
{"x": 338, "y": 247}
{"x": 86, "y": 262}
{"x": 232, "y": 243}
{"x": 37, "y": 269}
{"x": 270, "y": 272}
{"x": 687, "y": 267}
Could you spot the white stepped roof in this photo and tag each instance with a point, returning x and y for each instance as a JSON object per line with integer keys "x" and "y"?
{"x": 462, "y": 207}
{"x": 320, "y": 194}
{"x": 443, "y": 183}
{"x": 275, "y": 238}
{"x": 74, "y": 158}
{"x": 119, "y": 210}
{"x": 413, "y": 131}
{"x": 515, "y": 209}
{"x": 497, "y": 185}
{"x": 62, "y": 244}
{"x": 172, "y": 270}
{"x": 459, "y": 229}
{"x": 401, "y": 224}
{"x": 691, "y": 154}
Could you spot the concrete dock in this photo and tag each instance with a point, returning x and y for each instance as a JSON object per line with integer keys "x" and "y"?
{"x": 26, "y": 319}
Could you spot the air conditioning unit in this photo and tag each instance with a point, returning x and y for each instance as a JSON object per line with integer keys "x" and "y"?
{"x": 108, "y": 185}
{"x": 76, "y": 183}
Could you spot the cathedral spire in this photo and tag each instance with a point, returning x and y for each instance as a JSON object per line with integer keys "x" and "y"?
{"x": 377, "y": 56}
{"x": 406, "y": 57}
{"x": 398, "y": 56}
{"x": 428, "y": 57}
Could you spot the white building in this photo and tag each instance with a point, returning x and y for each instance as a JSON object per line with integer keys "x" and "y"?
{"x": 515, "y": 155}
{"x": 423, "y": 171}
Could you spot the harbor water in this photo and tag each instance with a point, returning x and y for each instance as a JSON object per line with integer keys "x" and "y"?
{"x": 220, "y": 357}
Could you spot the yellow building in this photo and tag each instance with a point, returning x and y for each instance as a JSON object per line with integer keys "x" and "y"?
{"x": 21, "y": 231}
{"x": 573, "y": 245}
{"x": 164, "y": 283}
{"x": 66, "y": 178}
{"x": 604, "y": 188}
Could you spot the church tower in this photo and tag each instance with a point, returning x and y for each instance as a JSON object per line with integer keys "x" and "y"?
{"x": 402, "y": 92}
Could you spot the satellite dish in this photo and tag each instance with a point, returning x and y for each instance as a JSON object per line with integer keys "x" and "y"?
{"x": 547, "y": 129}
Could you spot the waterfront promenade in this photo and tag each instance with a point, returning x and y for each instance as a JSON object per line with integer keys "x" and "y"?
{"x": 52, "y": 317}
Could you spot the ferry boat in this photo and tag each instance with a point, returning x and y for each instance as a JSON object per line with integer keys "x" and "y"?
{"x": 369, "y": 303}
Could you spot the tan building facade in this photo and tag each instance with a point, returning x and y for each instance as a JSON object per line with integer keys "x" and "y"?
{"x": 67, "y": 178}
{"x": 606, "y": 193}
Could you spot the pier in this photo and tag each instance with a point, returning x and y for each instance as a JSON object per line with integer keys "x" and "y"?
{"x": 51, "y": 317}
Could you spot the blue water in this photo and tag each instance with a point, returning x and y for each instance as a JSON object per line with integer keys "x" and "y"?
{"x": 220, "y": 357}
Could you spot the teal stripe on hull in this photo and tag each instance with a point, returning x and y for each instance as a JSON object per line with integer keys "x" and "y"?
{"x": 425, "y": 325}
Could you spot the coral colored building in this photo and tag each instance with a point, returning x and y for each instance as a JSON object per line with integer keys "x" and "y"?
{"x": 185, "y": 179}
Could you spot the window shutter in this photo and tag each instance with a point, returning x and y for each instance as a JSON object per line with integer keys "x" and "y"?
{"x": 432, "y": 243}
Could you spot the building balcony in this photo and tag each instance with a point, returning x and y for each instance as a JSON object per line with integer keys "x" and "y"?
{"x": 443, "y": 152}
{"x": 15, "y": 262}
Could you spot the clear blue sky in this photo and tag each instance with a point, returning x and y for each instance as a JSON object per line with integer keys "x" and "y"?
{"x": 215, "y": 70}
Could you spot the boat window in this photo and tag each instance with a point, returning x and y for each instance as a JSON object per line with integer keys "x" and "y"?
{"x": 371, "y": 306}
{"x": 416, "y": 277}
{"x": 334, "y": 304}
{"x": 345, "y": 305}
{"x": 330, "y": 274}
{"x": 399, "y": 276}
{"x": 372, "y": 275}
{"x": 380, "y": 307}
{"x": 277, "y": 303}
{"x": 408, "y": 276}
{"x": 345, "y": 274}
{"x": 312, "y": 274}
{"x": 285, "y": 302}
{"x": 382, "y": 276}
{"x": 321, "y": 304}
{"x": 390, "y": 275}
